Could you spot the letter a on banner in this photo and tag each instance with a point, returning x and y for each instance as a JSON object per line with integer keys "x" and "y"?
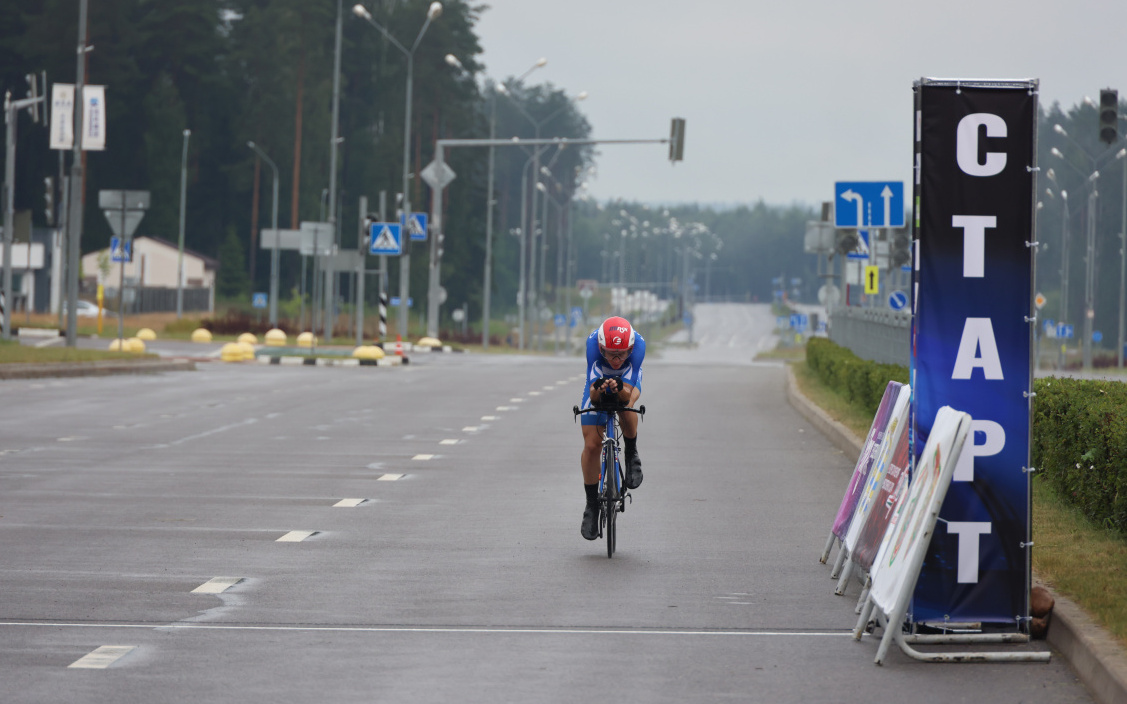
{"x": 975, "y": 160}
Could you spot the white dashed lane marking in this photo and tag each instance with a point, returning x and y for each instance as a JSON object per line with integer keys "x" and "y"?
{"x": 449, "y": 442}
{"x": 505, "y": 408}
{"x": 533, "y": 393}
{"x": 348, "y": 503}
{"x": 470, "y": 429}
{"x": 296, "y": 536}
{"x": 102, "y": 657}
{"x": 423, "y": 457}
{"x": 389, "y": 477}
{"x": 487, "y": 418}
{"x": 217, "y": 585}
{"x": 516, "y": 400}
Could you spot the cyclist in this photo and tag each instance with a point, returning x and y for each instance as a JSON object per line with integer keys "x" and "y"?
{"x": 614, "y": 369}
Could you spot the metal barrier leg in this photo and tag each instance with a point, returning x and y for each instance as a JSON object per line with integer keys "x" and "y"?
{"x": 840, "y": 562}
{"x": 843, "y": 582}
{"x": 829, "y": 546}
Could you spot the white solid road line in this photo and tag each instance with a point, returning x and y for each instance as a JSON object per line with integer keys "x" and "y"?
{"x": 296, "y": 536}
{"x": 449, "y": 629}
{"x": 217, "y": 585}
{"x": 348, "y": 503}
{"x": 102, "y": 657}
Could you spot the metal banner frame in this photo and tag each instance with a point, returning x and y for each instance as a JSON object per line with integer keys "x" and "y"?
{"x": 975, "y": 164}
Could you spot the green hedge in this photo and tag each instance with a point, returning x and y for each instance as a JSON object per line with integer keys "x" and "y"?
{"x": 1080, "y": 444}
{"x": 1079, "y": 427}
{"x": 861, "y": 382}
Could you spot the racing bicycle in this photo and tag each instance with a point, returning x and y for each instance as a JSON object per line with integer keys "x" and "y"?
{"x": 612, "y": 474}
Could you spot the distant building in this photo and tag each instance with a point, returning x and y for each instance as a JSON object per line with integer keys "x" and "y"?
{"x": 152, "y": 272}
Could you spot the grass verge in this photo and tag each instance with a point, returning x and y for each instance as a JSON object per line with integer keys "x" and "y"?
{"x": 1082, "y": 561}
{"x": 12, "y": 352}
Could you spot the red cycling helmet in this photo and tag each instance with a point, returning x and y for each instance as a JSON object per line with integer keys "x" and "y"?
{"x": 616, "y": 334}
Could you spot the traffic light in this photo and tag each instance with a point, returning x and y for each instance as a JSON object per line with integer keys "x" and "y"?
{"x": 847, "y": 241}
{"x": 49, "y": 200}
{"x": 1109, "y": 115}
{"x": 901, "y": 248}
{"x": 677, "y": 139}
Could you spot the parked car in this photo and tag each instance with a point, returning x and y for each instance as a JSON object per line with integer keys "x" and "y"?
{"x": 86, "y": 309}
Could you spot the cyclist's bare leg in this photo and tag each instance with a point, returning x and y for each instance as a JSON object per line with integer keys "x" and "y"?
{"x": 592, "y": 447}
{"x": 629, "y": 421}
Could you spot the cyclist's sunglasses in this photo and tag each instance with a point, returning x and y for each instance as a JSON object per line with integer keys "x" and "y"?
{"x": 619, "y": 354}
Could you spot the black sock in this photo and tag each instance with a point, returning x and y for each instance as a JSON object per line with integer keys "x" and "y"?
{"x": 592, "y": 492}
{"x": 631, "y": 445}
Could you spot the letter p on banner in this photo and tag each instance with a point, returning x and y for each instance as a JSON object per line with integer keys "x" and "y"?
{"x": 971, "y": 338}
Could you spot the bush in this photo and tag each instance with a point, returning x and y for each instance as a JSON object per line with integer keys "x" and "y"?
{"x": 860, "y": 382}
{"x": 1079, "y": 427}
{"x": 1080, "y": 444}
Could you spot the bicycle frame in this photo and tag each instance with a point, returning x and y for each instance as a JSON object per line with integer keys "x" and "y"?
{"x": 612, "y": 494}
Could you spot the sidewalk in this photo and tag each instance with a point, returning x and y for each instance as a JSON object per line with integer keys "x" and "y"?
{"x": 1096, "y": 658}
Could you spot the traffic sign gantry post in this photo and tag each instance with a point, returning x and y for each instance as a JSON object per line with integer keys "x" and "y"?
{"x": 124, "y": 210}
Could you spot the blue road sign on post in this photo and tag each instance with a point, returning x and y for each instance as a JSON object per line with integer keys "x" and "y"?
{"x": 869, "y": 204}
{"x": 560, "y": 320}
{"x": 1097, "y": 336}
{"x": 258, "y": 300}
{"x": 862, "y": 251}
{"x": 416, "y": 226}
{"x": 120, "y": 252}
{"x": 799, "y": 321}
{"x": 576, "y": 316}
{"x": 897, "y": 300}
{"x": 385, "y": 238}
{"x": 1064, "y": 331}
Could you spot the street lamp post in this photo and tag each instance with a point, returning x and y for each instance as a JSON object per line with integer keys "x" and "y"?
{"x": 183, "y": 202}
{"x": 274, "y": 253}
{"x": 530, "y": 230}
{"x": 490, "y": 201}
{"x": 433, "y": 13}
{"x": 1122, "y": 261}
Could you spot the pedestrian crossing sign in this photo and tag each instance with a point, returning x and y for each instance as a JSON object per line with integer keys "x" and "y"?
{"x": 386, "y": 238}
{"x": 417, "y": 226}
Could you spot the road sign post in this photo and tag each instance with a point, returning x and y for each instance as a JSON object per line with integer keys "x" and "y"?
{"x": 124, "y": 210}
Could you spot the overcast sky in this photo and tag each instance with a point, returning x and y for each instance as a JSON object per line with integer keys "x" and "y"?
{"x": 782, "y": 98}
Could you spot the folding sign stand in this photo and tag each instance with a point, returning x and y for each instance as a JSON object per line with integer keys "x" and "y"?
{"x": 897, "y": 566}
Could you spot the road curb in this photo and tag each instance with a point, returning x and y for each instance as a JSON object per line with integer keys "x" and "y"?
{"x": 1092, "y": 653}
{"x": 19, "y": 370}
{"x": 389, "y": 361}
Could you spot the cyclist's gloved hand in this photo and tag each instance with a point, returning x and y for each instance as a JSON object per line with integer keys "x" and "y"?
{"x": 607, "y": 387}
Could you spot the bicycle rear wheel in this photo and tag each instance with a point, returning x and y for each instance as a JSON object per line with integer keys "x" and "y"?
{"x": 610, "y": 497}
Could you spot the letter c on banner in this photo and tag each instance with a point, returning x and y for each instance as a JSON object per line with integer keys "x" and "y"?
{"x": 966, "y": 144}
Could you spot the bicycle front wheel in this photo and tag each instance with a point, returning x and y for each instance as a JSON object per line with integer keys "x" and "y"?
{"x": 610, "y": 497}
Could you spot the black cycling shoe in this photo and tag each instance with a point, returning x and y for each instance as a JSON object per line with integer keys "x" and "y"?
{"x": 633, "y": 471}
{"x": 590, "y": 525}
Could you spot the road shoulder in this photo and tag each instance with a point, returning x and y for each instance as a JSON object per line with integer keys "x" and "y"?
{"x": 1096, "y": 658}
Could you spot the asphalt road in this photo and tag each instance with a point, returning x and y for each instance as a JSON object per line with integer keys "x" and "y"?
{"x": 462, "y": 576}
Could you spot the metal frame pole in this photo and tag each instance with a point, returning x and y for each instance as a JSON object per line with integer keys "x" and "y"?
{"x": 487, "y": 288}
{"x": 183, "y": 204}
{"x": 1090, "y": 279}
{"x": 10, "y": 114}
{"x": 74, "y": 222}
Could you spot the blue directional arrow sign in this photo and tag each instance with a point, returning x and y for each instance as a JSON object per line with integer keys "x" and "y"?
{"x": 417, "y": 226}
{"x": 869, "y": 204}
{"x": 897, "y": 300}
{"x": 576, "y": 316}
{"x": 385, "y": 238}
